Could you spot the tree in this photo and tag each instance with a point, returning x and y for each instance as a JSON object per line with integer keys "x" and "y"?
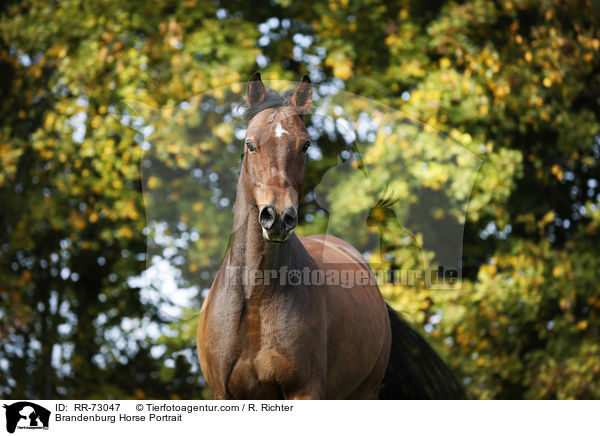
{"x": 72, "y": 211}
{"x": 91, "y": 92}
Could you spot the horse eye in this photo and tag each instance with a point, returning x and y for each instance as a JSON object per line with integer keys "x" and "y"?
{"x": 250, "y": 145}
{"x": 305, "y": 146}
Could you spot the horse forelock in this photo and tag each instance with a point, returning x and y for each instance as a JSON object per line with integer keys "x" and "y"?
{"x": 273, "y": 99}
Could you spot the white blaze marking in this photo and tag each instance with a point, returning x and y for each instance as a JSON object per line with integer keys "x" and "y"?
{"x": 280, "y": 131}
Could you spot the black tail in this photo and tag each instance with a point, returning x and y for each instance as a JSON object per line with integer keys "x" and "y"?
{"x": 415, "y": 371}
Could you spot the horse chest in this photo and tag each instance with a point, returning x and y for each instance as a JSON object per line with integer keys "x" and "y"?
{"x": 246, "y": 359}
{"x": 262, "y": 363}
{"x": 257, "y": 375}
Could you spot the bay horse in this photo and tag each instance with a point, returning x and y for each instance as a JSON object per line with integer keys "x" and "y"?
{"x": 270, "y": 328}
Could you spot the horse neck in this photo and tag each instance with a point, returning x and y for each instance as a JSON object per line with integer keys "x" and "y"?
{"x": 249, "y": 251}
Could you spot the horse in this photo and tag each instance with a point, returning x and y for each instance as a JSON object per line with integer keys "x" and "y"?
{"x": 280, "y": 321}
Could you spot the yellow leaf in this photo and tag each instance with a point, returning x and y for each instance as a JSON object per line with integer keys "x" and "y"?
{"x": 558, "y": 271}
{"x": 153, "y": 182}
{"x": 548, "y": 218}
{"x": 557, "y": 171}
{"x": 125, "y": 232}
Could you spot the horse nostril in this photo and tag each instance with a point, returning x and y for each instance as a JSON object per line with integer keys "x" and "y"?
{"x": 266, "y": 217}
{"x": 289, "y": 217}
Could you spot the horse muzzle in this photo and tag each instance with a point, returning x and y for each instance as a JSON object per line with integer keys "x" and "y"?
{"x": 277, "y": 227}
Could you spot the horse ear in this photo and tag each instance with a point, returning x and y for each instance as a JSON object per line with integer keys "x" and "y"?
{"x": 302, "y": 95}
{"x": 256, "y": 90}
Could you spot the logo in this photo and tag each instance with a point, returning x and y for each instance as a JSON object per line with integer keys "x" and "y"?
{"x": 26, "y": 415}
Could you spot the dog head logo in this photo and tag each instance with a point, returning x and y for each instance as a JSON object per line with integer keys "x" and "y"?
{"x": 26, "y": 415}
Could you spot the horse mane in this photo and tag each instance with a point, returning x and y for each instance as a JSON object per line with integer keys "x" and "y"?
{"x": 273, "y": 99}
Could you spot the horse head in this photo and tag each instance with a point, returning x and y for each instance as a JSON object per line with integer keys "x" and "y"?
{"x": 275, "y": 155}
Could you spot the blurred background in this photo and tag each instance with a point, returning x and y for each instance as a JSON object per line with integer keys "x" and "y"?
{"x": 99, "y": 294}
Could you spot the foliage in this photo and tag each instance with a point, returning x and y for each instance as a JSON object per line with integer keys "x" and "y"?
{"x": 515, "y": 84}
